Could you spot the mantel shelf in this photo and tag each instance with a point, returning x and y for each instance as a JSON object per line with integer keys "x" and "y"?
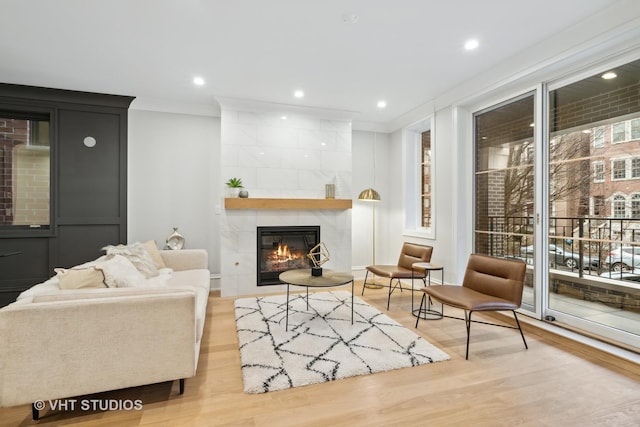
{"x": 253, "y": 203}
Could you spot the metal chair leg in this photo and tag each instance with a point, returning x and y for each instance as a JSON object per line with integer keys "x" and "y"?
{"x": 467, "y": 320}
{"x": 422, "y": 301}
{"x": 364, "y": 285}
{"x": 390, "y": 291}
{"x": 519, "y": 328}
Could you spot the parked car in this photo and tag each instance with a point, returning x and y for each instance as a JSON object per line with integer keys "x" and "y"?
{"x": 623, "y": 258}
{"x": 630, "y": 276}
{"x": 558, "y": 255}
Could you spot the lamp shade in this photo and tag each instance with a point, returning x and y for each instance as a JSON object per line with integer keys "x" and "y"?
{"x": 370, "y": 195}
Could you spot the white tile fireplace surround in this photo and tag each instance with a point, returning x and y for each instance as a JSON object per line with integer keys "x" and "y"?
{"x": 282, "y": 158}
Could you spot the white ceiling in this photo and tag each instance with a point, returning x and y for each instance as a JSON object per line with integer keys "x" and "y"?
{"x": 406, "y": 52}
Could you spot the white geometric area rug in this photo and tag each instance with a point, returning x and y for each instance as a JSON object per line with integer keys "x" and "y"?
{"x": 321, "y": 344}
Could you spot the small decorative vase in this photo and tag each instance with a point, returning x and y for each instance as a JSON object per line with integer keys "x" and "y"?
{"x": 243, "y": 194}
{"x": 234, "y": 191}
{"x": 175, "y": 240}
{"x": 316, "y": 271}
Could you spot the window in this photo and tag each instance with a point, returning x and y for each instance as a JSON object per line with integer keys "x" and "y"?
{"x": 635, "y": 206}
{"x": 418, "y": 152}
{"x": 598, "y": 171}
{"x": 619, "y": 207}
{"x": 635, "y": 128}
{"x": 426, "y": 179}
{"x": 635, "y": 167}
{"x": 619, "y": 169}
{"x": 618, "y": 132}
{"x": 24, "y": 169}
{"x": 625, "y": 131}
{"x": 598, "y": 137}
{"x": 598, "y": 206}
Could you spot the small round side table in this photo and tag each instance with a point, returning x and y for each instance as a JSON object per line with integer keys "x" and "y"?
{"x": 428, "y": 312}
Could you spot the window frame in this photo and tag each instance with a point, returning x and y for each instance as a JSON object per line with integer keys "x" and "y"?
{"x": 598, "y": 137}
{"x": 599, "y": 175}
{"x": 616, "y": 200}
{"x": 29, "y": 110}
{"x": 413, "y": 167}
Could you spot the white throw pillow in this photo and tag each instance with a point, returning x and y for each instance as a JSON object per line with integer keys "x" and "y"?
{"x": 51, "y": 285}
{"x": 152, "y": 248}
{"x": 139, "y": 256}
{"x": 119, "y": 272}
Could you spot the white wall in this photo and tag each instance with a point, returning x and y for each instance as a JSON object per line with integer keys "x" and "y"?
{"x": 175, "y": 175}
{"x": 173, "y": 179}
{"x": 277, "y": 158}
{"x": 365, "y": 146}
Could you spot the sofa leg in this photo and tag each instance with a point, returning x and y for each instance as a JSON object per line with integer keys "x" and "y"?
{"x": 181, "y": 385}
{"x": 35, "y": 413}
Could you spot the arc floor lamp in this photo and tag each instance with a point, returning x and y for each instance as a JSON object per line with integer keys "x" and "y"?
{"x": 371, "y": 195}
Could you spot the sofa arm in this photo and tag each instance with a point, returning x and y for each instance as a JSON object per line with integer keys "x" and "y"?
{"x": 186, "y": 259}
{"x": 58, "y": 349}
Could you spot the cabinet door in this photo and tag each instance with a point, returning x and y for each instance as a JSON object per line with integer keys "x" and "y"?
{"x": 23, "y": 263}
{"x": 91, "y": 184}
{"x": 89, "y": 177}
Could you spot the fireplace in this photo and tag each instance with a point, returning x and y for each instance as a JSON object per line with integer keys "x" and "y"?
{"x": 284, "y": 248}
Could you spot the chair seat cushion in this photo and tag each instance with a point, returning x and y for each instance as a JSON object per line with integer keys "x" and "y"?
{"x": 468, "y": 299}
{"x": 394, "y": 272}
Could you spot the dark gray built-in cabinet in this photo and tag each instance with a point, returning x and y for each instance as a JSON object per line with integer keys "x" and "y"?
{"x": 87, "y": 183}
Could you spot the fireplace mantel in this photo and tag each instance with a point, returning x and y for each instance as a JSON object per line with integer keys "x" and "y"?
{"x": 253, "y": 203}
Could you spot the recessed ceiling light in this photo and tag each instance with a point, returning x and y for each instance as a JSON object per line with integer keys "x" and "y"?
{"x": 198, "y": 81}
{"x": 283, "y": 117}
{"x": 532, "y": 125}
{"x": 609, "y": 75}
{"x": 471, "y": 44}
{"x": 381, "y": 104}
{"x": 298, "y": 94}
{"x": 349, "y": 18}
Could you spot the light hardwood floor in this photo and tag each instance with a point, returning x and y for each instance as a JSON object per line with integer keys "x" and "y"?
{"x": 554, "y": 383}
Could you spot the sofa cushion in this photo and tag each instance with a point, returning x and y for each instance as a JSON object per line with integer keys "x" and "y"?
{"x": 139, "y": 256}
{"x": 80, "y": 278}
{"x": 82, "y": 294}
{"x": 198, "y": 280}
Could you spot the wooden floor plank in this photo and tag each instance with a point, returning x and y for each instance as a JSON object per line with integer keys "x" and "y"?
{"x": 555, "y": 382}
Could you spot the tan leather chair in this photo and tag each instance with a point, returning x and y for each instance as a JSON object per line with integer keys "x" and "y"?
{"x": 489, "y": 284}
{"x": 410, "y": 254}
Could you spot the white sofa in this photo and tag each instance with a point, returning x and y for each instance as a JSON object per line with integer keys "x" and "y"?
{"x": 64, "y": 343}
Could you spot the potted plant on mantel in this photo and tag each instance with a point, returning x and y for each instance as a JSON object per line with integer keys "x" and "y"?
{"x": 234, "y": 185}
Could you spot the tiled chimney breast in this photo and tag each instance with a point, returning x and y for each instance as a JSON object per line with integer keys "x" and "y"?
{"x": 282, "y": 158}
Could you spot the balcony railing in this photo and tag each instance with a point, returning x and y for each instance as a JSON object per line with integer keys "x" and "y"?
{"x": 586, "y": 246}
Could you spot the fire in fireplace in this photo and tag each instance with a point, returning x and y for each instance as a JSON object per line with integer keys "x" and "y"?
{"x": 284, "y": 248}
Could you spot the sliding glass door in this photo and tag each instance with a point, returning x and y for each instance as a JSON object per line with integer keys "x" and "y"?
{"x": 582, "y": 170}
{"x": 594, "y": 201}
{"x": 504, "y": 183}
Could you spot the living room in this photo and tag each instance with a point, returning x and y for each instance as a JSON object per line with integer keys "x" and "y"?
{"x": 181, "y": 151}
